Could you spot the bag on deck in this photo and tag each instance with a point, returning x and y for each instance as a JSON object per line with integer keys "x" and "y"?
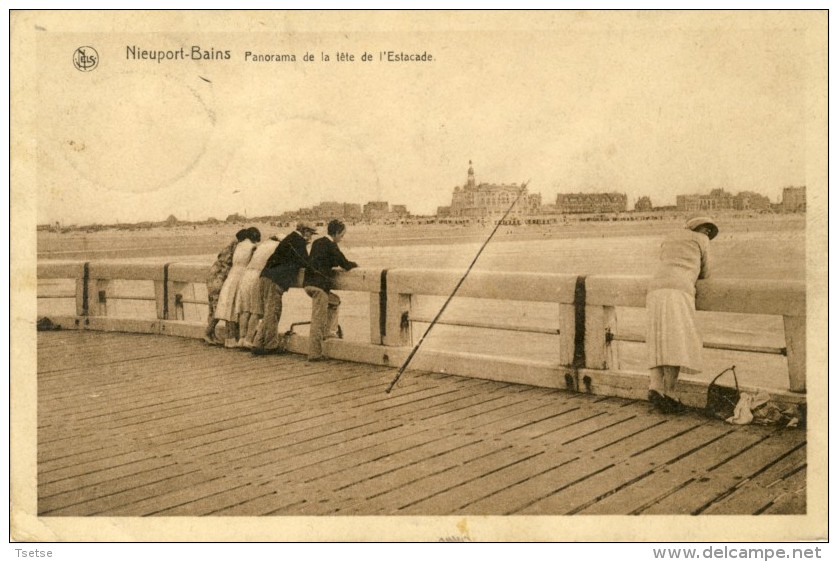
{"x": 722, "y": 400}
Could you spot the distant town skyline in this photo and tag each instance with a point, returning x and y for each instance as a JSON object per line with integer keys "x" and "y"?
{"x": 644, "y": 105}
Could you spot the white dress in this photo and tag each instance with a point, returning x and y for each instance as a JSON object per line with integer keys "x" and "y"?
{"x": 248, "y": 294}
{"x": 227, "y": 298}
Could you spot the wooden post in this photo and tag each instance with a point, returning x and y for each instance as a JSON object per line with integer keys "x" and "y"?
{"x": 98, "y": 297}
{"x": 375, "y": 319}
{"x": 567, "y": 333}
{"x": 160, "y": 299}
{"x": 175, "y": 300}
{"x": 796, "y": 351}
{"x": 397, "y": 322}
{"x": 599, "y": 352}
{"x": 82, "y": 294}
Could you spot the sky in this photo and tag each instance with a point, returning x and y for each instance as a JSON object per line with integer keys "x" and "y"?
{"x": 636, "y": 103}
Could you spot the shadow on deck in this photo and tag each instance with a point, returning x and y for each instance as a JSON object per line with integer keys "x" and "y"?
{"x": 155, "y": 425}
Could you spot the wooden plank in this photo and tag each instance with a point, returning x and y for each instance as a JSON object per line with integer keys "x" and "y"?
{"x": 304, "y": 471}
{"x": 414, "y": 498}
{"x": 120, "y": 492}
{"x": 242, "y": 445}
{"x": 754, "y": 296}
{"x": 467, "y": 493}
{"x": 517, "y": 497}
{"x": 180, "y": 496}
{"x": 450, "y": 454}
{"x": 495, "y": 501}
{"x": 309, "y": 438}
{"x": 583, "y": 428}
{"x": 503, "y": 412}
{"x": 270, "y": 407}
{"x": 60, "y": 269}
{"x": 456, "y": 401}
{"x": 749, "y": 495}
{"x": 543, "y": 408}
{"x": 560, "y": 424}
{"x": 181, "y": 444}
{"x": 231, "y": 427}
{"x": 375, "y": 395}
{"x": 98, "y": 477}
{"x": 188, "y": 272}
{"x": 382, "y": 457}
{"x": 242, "y": 491}
{"x": 161, "y": 414}
{"x": 126, "y": 270}
{"x": 795, "y": 328}
{"x": 272, "y": 503}
{"x": 392, "y": 500}
{"x": 237, "y": 386}
{"x": 542, "y": 287}
{"x": 603, "y": 472}
{"x": 82, "y": 466}
{"x": 665, "y": 478}
{"x": 791, "y": 498}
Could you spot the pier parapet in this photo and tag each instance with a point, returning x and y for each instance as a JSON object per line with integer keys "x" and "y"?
{"x": 587, "y": 332}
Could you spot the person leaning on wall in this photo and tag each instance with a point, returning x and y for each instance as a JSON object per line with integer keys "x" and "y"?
{"x": 672, "y": 339}
{"x": 319, "y": 282}
{"x": 249, "y": 305}
{"x": 215, "y": 281}
{"x": 225, "y": 309}
{"x": 280, "y": 274}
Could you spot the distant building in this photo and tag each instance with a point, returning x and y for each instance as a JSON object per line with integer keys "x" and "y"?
{"x": 443, "y": 212}
{"x": 567, "y": 203}
{"x": 716, "y": 200}
{"x": 492, "y": 201}
{"x": 750, "y": 201}
{"x": 324, "y": 211}
{"x": 399, "y": 210}
{"x": 794, "y": 199}
{"x": 643, "y": 205}
{"x": 376, "y": 210}
{"x": 328, "y": 209}
{"x": 352, "y": 210}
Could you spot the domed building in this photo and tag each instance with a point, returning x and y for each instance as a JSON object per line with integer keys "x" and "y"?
{"x": 490, "y": 201}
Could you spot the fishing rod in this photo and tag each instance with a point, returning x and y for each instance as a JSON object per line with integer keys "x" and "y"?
{"x": 454, "y": 292}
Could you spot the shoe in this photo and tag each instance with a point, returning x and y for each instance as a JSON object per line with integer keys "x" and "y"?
{"x": 212, "y": 341}
{"x": 675, "y": 406}
{"x": 659, "y": 402}
{"x": 666, "y": 404}
{"x": 263, "y": 351}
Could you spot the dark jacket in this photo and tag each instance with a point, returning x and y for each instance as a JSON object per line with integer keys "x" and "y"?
{"x": 287, "y": 260}
{"x": 325, "y": 255}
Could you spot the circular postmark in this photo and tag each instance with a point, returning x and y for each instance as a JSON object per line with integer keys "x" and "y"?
{"x": 85, "y": 59}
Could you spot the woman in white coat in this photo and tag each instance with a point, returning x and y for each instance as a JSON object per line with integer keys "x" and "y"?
{"x": 225, "y": 310}
{"x": 672, "y": 339}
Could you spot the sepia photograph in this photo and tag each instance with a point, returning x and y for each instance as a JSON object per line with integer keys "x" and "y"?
{"x": 459, "y": 276}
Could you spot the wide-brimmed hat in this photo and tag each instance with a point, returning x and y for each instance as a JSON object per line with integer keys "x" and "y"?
{"x": 303, "y": 226}
{"x": 695, "y": 222}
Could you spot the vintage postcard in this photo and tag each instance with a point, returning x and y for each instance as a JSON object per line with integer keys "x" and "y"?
{"x": 418, "y": 276}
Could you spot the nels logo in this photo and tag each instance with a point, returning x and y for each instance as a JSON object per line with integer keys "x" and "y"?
{"x": 85, "y": 59}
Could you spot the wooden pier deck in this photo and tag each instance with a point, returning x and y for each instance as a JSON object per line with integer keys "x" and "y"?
{"x": 143, "y": 425}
